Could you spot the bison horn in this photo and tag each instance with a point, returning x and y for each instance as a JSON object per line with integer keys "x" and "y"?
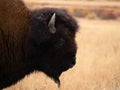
{"x": 51, "y": 24}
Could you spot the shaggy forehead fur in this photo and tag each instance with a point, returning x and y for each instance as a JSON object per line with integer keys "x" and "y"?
{"x": 62, "y": 17}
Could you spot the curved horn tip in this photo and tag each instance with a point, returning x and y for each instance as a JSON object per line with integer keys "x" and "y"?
{"x": 52, "y": 20}
{"x": 51, "y": 24}
{"x": 54, "y": 14}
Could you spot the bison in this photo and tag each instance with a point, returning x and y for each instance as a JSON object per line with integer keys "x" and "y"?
{"x": 35, "y": 40}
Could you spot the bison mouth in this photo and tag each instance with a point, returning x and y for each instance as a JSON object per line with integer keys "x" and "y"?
{"x": 56, "y": 72}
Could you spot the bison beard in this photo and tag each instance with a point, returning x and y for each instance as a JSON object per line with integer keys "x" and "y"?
{"x": 45, "y": 42}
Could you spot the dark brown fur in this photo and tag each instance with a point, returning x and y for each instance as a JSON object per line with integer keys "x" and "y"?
{"x": 27, "y": 45}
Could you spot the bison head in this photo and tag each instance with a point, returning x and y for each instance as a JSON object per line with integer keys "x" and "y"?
{"x": 51, "y": 45}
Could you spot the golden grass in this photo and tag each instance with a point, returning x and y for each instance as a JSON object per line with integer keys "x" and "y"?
{"x": 98, "y": 61}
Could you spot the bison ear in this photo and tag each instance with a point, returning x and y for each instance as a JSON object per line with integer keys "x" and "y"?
{"x": 51, "y": 24}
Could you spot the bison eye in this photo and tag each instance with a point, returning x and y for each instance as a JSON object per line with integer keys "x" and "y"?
{"x": 60, "y": 42}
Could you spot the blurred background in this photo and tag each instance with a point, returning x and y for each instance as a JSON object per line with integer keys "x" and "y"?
{"x": 98, "y": 40}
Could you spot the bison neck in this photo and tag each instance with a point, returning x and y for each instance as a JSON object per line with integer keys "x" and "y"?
{"x": 14, "y": 75}
{"x": 13, "y": 64}
{"x": 14, "y": 24}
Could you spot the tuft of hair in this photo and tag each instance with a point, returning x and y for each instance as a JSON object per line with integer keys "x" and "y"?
{"x": 63, "y": 17}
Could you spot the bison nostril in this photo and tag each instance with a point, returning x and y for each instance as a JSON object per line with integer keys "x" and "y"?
{"x": 73, "y": 61}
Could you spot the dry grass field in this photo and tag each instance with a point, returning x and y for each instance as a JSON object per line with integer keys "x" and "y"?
{"x": 98, "y": 61}
{"x": 87, "y": 9}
